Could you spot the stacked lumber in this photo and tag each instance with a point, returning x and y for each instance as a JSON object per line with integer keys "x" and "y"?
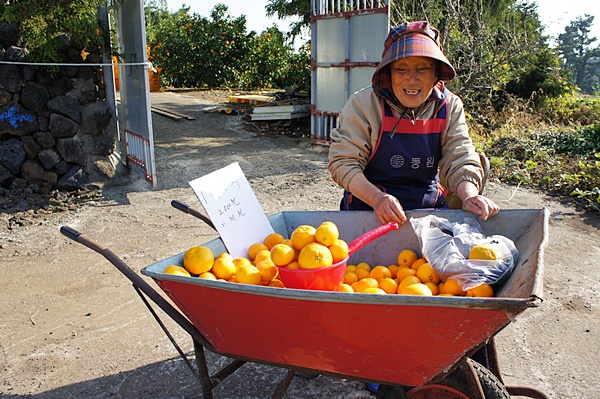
{"x": 251, "y": 99}
{"x": 280, "y": 110}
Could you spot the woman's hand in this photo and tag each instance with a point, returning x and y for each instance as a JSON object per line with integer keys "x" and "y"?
{"x": 388, "y": 209}
{"x": 476, "y": 203}
{"x": 481, "y": 205}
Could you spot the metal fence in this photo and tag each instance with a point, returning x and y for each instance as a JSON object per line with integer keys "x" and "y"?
{"x": 347, "y": 40}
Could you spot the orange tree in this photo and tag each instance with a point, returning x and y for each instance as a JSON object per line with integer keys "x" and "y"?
{"x": 274, "y": 64}
{"x": 195, "y": 51}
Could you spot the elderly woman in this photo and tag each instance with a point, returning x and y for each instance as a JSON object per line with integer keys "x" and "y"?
{"x": 395, "y": 136}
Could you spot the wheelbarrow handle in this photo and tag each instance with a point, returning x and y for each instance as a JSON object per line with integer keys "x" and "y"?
{"x": 70, "y": 233}
{"x": 370, "y": 236}
{"x": 138, "y": 282}
{"x": 188, "y": 209}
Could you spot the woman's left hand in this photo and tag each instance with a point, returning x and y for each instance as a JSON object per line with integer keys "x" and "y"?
{"x": 481, "y": 205}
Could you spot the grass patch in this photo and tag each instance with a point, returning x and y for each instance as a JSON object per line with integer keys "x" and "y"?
{"x": 527, "y": 148}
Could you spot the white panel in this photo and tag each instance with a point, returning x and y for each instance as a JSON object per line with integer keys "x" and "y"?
{"x": 330, "y": 95}
{"x": 134, "y": 91}
{"x": 331, "y": 40}
{"x": 368, "y": 32}
{"x": 359, "y": 78}
{"x": 340, "y": 40}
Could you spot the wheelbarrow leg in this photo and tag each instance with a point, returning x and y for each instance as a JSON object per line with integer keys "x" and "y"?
{"x": 205, "y": 381}
{"x": 283, "y": 386}
{"x": 390, "y": 392}
{"x": 210, "y": 382}
{"x": 494, "y": 367}
{"x": 492, "y": 357}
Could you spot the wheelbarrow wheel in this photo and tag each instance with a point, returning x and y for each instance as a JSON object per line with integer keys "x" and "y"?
{"x": 455, "y": 386}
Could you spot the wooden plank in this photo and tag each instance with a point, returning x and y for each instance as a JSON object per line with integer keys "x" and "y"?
{"x": 163, "y": 110}
{"x": 250, "y": 99}
{"x": 278, "y": 116}
{"x": 166, "y": 113}
{"x": 213, "y": 108}
{"x": 281, "y": 108}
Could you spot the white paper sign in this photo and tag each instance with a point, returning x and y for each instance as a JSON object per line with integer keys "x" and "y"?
{"x": 233, "y": 208}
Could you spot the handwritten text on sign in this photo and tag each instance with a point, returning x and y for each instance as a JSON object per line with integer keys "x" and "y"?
{"x": 233, "y": 208}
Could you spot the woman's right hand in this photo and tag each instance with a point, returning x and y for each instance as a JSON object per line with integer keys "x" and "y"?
{"x": 388, "y": 209}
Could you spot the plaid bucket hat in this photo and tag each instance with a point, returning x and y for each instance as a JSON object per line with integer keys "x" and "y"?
{"x": 412, "y": 39}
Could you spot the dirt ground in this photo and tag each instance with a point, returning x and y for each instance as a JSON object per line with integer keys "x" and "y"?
{"x": 71, "y": 326}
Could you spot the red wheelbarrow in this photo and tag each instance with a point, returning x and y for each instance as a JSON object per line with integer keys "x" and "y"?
{"x": 436, "y": 339}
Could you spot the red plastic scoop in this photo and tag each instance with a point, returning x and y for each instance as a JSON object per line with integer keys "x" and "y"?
{"x": 330, "y": 277}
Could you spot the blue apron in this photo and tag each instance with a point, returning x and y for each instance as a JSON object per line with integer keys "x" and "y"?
{"x": 405, "y": 161}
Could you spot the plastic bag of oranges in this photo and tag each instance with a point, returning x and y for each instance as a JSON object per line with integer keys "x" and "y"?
{"x": 462, "y": 251}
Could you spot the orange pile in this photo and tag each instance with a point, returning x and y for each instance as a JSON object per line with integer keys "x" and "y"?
{"x": 310, "y": 248}
{"x": 412, "y": 275}
{"x": 307, "y": 248}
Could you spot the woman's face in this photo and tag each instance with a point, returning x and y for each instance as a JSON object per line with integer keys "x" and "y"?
{"x": 413, "y": 79}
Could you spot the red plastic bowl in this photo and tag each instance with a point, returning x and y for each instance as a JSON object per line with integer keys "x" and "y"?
{"x": 329, "y": 278}
{"x": 322, "y": 279}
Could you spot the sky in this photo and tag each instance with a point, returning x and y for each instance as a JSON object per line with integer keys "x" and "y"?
{"x": 554, "y": 14}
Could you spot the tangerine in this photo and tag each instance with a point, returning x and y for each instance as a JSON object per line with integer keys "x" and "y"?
{"x": 451, "y": 286}
{"x": 406, "y": 281}
{"x": 361, "y": 273}
{"x": 248, "y": 274}
{"x": 339, "y": 250}
{"x": 198, "y": 260}
{"x": 241, "y": 261}
{"x": 293, "y": 265}
{"x": 380, "y": 271}
{"x": 276, "y": 283}
{"x": 426, "y": 274}
{"x": 365, "y": 283}
{"x": 225, "y": 255}
{"x": 208, "y": 276}
{"x": 302, "y": 236}
{"x": 389, "y": 285}
{"x": 223, "y": 268}
{"x": 403, "y": 272}
{"x": 327, "y": 233}
{"x": 177, "y": 270}
{"x": 418, "y": 263}
{"x": 407, "y": 257}
{"x": 433, "y": 287}
{"x": 441, "y": 289}
{"x": 345, "y": 288}
{"x": 273, "y": 239}
{"x": 364, "y": 265}
{"x": 256, "y": 248}
{"x": 483, "y": 252}
{"x": 268, "y": 271}
{"x": 282, "y": 254}
{"x": 262, "y": 255}
{"x": 350, "y": 277}
{"x": 315, "y": 255}
{"x": 416, "y": 289}
{"x": 481, "y": 291}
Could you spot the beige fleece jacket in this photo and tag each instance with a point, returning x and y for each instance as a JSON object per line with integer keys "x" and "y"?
{"x": 360, "y": 125}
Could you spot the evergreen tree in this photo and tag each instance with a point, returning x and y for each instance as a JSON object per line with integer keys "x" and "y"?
{"x": 574, "y": 47}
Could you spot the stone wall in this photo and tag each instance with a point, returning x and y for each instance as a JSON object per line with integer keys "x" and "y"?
{"x": 55, "y": 127}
